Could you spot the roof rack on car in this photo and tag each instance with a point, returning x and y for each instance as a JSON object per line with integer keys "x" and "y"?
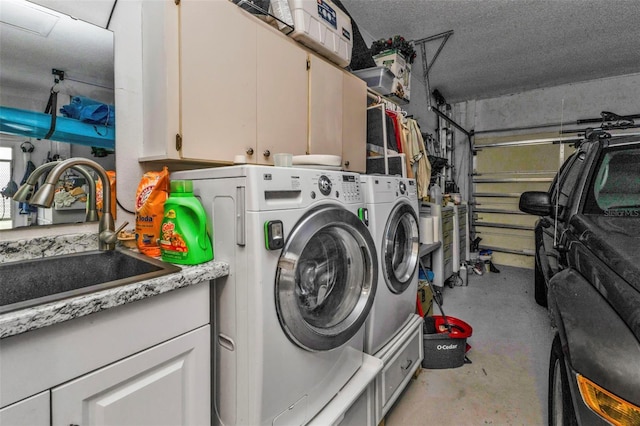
{"x": 611, "y": 120}
{"x": 608, "y": 121}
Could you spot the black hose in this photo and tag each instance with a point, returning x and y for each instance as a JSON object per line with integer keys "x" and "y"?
{"x": 123, "y": 208}
{"x": 110, "y": 16}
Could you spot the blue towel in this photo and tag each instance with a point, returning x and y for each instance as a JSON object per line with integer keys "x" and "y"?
{"x": 90, "y": 111}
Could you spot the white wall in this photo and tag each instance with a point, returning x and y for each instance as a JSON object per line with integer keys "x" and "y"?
{"x": 534, "y": 109}
{"x": 126, "y": 25}
{"x": 566, "y": 103}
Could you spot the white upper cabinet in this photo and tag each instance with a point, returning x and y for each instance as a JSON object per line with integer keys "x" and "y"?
{"x": 222, "y": 84}
{"x": 218, "y": 81}
{"x": 354, "y": 123}
{"x": 282, "y": 96}
{"x": 325, "y": 107}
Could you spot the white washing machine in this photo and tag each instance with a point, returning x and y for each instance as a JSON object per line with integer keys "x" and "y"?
{"x": 392, "y": 205}
{"x": 288, "y": 321}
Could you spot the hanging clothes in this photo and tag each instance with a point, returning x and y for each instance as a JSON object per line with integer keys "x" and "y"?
{"x": 406, "y": 149}
{"x": 417, "y": 154}
{"x": 397, "y": 130}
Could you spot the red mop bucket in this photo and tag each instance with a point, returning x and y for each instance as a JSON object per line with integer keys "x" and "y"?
{"x": 446, "y": 348}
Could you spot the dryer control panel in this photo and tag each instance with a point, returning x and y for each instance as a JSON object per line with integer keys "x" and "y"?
{"x": 412, "y": 189}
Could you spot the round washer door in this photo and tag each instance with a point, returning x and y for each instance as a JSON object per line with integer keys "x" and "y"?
{"x": 400, "y": 248}
{"x": 326, "y": 279}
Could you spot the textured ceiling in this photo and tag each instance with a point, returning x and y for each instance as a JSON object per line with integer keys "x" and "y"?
{"x": 507, "y": 46}
{"x": 82, "y": 50}
{"x": 498, "y": 47}
{"x": 96, "y": 12}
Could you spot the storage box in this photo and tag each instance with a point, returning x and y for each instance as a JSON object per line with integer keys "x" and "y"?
{"x": 324, "y": 28}
{"x": 378, "y": 79}
{"x": 401, "y": 69}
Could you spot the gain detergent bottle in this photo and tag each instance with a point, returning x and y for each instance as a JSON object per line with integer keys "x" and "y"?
{"x": 184, "y": 238}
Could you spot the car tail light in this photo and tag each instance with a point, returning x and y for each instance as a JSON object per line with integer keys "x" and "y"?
{"x": 607, "y": 405}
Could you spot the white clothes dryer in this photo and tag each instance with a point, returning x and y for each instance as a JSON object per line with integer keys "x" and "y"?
{"x": 393, "y": 211}
{"x": 288, "y": 320}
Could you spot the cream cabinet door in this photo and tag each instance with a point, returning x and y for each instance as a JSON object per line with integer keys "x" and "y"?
{"x": 354, "y": 123}
{"x": 168, "y": 384}
{"x": 282, "y": 98}
{"x": 160, "y": 53}
{"x": 325, "y": 107}
{"x": 218, "y": 81}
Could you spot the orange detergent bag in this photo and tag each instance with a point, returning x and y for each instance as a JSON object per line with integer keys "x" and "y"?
{"x": 150, "y": 198}
{"x": 112, "y": 180}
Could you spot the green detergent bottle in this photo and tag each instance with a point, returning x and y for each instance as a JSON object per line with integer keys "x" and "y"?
{"x": 183, "y": 237}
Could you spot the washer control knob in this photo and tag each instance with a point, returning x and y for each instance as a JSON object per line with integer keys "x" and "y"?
{"x": 324, "y": 185}
{"x": 402, "y": 187}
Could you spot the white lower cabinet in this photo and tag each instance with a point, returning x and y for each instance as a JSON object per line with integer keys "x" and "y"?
{"x": 167, "y": 384}
{"x": 402, "y": 357}
{"x": 143, "y": 363}
{"x": 33, "y": 411}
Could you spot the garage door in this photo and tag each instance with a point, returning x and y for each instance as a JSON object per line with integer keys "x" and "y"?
{"x": 504, "y": 167}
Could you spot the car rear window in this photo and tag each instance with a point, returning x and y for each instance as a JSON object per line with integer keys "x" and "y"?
{"x": 615, "y": 186}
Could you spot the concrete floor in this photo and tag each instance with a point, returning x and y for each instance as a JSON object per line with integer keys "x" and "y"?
{"x": 506, "y": 383}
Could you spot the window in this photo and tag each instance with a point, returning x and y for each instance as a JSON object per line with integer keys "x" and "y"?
{"x": 615, "y": 187}
{"x": 568, "y": 178}
{"x": 5, "y": 178}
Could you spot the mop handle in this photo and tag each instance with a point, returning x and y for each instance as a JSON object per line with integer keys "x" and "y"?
{"x": 446, "y": 322}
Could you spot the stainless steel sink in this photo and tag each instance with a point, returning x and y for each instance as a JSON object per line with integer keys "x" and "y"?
{"x": 33, "y": 282}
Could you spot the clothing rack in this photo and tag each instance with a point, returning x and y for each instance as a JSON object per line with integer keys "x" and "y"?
{"x": 384, "y": 104}
{"x": 389, "y": 104}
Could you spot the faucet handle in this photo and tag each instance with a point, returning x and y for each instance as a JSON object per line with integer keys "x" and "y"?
{"x": 121, "y": 227}
{"x": 110, "y": 237}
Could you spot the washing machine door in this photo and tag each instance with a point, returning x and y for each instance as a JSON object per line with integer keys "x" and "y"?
{"x": 326, "y": 279}
{"x": 400, "y": 248}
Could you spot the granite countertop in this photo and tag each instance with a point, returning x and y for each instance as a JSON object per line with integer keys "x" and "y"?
{"x": 16, "y": 322}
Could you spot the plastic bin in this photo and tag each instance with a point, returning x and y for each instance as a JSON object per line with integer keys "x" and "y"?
{"x": 378, "y": 79}
{"x": 324, "y": 28}
{"x": 444, "y": 349}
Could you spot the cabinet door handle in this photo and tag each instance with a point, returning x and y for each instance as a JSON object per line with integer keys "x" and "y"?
{"x": 249, "y": 151}
{"x": 266, "y": 153}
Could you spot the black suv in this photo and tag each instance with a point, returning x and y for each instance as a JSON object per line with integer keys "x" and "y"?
{"x": 587, "y": 271}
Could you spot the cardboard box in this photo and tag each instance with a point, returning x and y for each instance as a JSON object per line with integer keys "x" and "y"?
{"x": 425, "y": 297}
{"x": 401, "y": 69}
